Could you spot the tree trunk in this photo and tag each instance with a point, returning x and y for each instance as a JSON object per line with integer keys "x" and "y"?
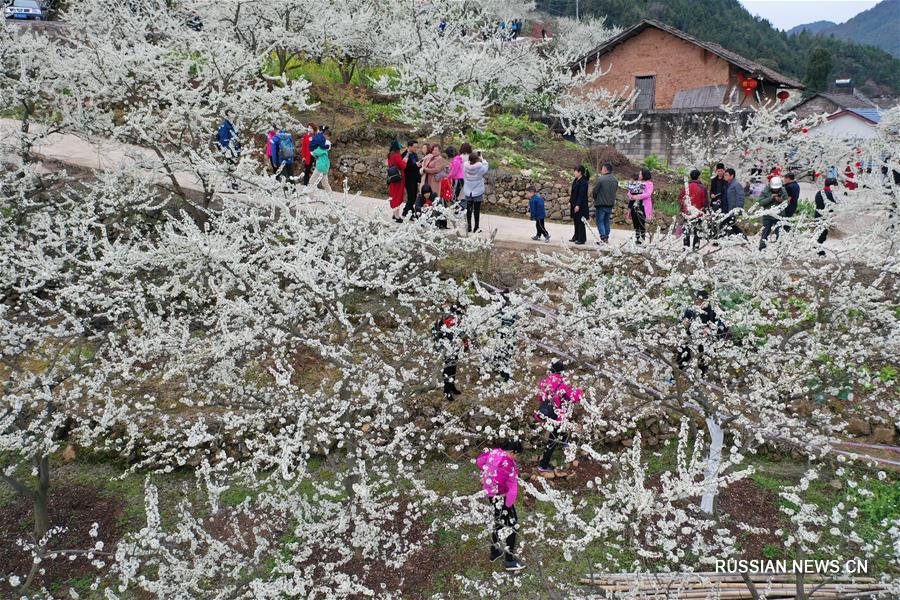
{"x": 714, "y": 459}
{"x": 41, "y": 498}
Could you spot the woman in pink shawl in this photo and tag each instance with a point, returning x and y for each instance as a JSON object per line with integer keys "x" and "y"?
{"x": 272, "y": 132}
{"x": 500, "y": 480}
{"x": 640, "y": 204}
{"x": 557, "y": 400}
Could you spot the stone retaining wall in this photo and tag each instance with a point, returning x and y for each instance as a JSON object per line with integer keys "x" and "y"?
{"x": 505, "y": 193}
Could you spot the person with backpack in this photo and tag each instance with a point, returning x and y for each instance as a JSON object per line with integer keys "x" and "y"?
{"x": 825, "y": 203}
{"x": 283, "y": 152}
{"x": 323, "y": 165}
{"x": 556, "y": 403}
{"x": 693, "y": 200}
{"x": 773, "y": 194}
{"x": 396, "y": 178}
{"x": 411, "y": 178}
{"x": 227, "y": 139}
{"x": 500, "y": 481}
{"x": 318, "y": 139}
{"x": 538, "y": 212}
{"x": 578, "y": 205}
{"x": 306, "y": 153}
{"x": 444, "y": 333}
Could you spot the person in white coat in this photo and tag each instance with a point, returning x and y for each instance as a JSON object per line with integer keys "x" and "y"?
{"x": 473, "y": 188}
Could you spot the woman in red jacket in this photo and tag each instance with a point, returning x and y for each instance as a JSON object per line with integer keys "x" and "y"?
{"x": 305, "y": 153}
{"x": 395, "y": 189}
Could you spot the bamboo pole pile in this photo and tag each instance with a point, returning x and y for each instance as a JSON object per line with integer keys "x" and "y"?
{"x": 728, "y": 586}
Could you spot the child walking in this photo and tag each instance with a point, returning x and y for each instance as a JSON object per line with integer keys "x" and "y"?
{"x": 538, "y": 213}
{"x": 499, "y": 478}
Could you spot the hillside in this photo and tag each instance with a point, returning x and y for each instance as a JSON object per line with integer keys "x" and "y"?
{"x": 879, "y": 26}
{"x": 813, "y": 28}
{"x": 728, "y": 23}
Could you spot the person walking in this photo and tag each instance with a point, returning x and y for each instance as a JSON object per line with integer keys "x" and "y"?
{"x": 284, "y": 153}
{"x": 323, "y": 165}
{"x": 825, "y": 203}
{"x": 396, "y": 178}
{"x": 701, "y": 324}
{"x": 500, "y": 480}
{"x": 557, "y": 400}
{"x": 773, "y": 194}
{"x": 640, "y": 204}
{"x": 604, "y": 195}
{"x": 538, "y": 213}
{"x": 693, "y": 202}
{"x": 306, "y": 153}
{"x": 473, "y": 189}
{"x": 435, "y": 170}
{"x": 411, "y": 178}
{"x": 578, "y": 205}
{"x": 792, "y": 188}
{"x": 273, "y": 131}
{"x": 733, "y": 205}
{"x": 444, "y": 334}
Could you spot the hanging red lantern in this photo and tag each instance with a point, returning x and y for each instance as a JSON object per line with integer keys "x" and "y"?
{"x": 748, "y": 85}
{"x": 783, "y": 96}
{"x": 805, "y": 130}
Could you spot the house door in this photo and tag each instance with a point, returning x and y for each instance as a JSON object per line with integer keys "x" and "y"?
{"x": 646, "y": 89}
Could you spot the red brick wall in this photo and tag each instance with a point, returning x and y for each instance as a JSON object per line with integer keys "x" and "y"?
{"x": 676, "y": 64}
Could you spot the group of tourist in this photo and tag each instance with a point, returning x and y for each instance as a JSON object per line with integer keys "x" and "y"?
{"x": 315, "y": 150}
{"x": 704, "y": 213}
{"x": 449, "y": 182}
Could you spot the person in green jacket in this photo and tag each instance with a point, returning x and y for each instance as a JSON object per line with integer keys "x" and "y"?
{"x": 323, "y": 165}
{"x": 773, "y": 194}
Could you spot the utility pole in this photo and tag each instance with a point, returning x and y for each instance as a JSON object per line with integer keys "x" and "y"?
{"x": 577, "y": 18}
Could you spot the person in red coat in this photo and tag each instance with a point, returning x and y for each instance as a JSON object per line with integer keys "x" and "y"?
{"x": 395, "y": 189}
{"x": 305, "y": 153}
{"x": 694, "y": 201}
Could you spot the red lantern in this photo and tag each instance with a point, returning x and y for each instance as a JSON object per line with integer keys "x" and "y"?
{"x": 783, "y": 95}
{"x": 748, "y": 85}
{"x": 805, "y": 130}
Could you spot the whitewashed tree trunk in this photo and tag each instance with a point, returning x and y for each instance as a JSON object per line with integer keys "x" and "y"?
{"x": 716, "y": 441}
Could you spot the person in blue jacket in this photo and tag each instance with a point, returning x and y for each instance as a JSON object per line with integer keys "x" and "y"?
{"x": 538, "y": 213}
{"x": 318, "y": 140}
{"x": 283, "y": 155}
{"x": 227, "y": 139}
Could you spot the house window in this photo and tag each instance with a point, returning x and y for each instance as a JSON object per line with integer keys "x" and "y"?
{"x": 646, "y": 89}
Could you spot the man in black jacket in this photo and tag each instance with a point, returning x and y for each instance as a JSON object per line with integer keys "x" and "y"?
{"x": 578, "y": 205}
{"x": 412, "y": 175}
{"x": 824, "y": 203}
{"x": 717, "y": 189}
{"x": 793, "y": 191}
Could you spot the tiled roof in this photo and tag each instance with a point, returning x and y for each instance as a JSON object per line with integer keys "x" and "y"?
{"x": 752, "y": 68}
{"x": 872, "y": 114}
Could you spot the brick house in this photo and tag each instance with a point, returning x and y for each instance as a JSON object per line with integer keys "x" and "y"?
{"x": 679, "y": 79}
{"x": 673, "y": 70}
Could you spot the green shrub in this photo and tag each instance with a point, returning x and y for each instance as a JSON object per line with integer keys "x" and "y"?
{"x": 484, "y": 139}
{"x": 653, "y": 163}
{"x": 515, "y": 126}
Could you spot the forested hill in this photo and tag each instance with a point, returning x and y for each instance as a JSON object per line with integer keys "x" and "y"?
{"x": 878, "y": 26}
{"x": 728, "y": 23}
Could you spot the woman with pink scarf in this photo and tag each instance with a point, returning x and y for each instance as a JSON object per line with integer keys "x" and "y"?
{"x": 500, "y": 480}
{"x": 640, "y": 204}
{"x": 557, "y": 402}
